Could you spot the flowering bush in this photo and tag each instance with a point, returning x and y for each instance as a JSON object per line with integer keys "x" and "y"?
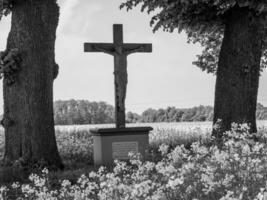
{"x": 235, "y": 171}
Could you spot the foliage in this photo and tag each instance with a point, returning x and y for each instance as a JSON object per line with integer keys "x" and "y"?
{"x": 236, "y": 171}
{"x": 5, "y": 7}
{"x": 172, "y": 114}
{"x": 199, "y": 113}
{"x": 202, "y": 20}
{"x": 132, "y": 117}
{"x": 85, "y": 112}
{"x": 261, "y": 113}
{"x": 82, "y": 112}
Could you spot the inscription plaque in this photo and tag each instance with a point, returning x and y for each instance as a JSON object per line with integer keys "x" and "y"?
{"x": 120, "y": 150}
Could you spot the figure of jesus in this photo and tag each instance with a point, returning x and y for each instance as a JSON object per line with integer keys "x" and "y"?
{"x": 119, "y": 51}
{"x": 120, "y": 71}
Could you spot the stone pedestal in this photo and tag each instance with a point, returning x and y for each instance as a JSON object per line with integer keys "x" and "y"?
{"x": 116, "y": 143}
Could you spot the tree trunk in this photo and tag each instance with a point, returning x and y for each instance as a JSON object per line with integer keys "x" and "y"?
{"x": 238, "y": 70}
{"x": 28, "y": 103}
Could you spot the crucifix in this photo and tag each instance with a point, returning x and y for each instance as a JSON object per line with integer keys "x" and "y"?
{"x": 119, "y": 51}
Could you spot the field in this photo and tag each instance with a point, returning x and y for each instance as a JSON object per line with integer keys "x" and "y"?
{"x": 75, "y": 141}
{"x": 76, "y": 146}
{"x": 181, "y": 126}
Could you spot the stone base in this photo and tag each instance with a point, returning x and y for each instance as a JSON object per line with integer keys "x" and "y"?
{"x": 116, "y": 143}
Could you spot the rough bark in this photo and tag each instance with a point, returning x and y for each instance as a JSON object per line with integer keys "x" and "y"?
{"x": 238, "y": 70}
{"x": 28, "y": 103}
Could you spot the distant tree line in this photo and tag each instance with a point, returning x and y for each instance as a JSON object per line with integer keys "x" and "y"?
{"x": 82, "y": 112}
{"x": 86, "y": 112}
{"x": 172, "y": 114}
{"x": 261, "y": 113}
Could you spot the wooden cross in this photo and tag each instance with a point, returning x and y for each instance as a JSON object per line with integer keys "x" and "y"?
{"x": 119, "y": 51}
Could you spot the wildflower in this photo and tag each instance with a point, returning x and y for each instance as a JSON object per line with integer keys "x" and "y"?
{"x": 173, "y": 183}
{"x": 164, "y": 149}
{"x": 65, "y": 183}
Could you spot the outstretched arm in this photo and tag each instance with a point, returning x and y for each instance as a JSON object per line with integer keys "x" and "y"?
{"x": 96, "y": 47}
{"x": 135, "y": 50}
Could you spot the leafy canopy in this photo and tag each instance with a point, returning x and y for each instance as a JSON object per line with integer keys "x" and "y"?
{"x": 5, "y": 7}
{"x": 202, "y": 20}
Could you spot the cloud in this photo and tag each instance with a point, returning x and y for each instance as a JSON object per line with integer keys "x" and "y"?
{"x": 66, "y": 9}
{"x": 77, "y": 16}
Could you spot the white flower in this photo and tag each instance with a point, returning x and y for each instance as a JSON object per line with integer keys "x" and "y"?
{"x": 173, "y": 183}
{"x": 65, "y": 183}
{"x": 164, "y": 149}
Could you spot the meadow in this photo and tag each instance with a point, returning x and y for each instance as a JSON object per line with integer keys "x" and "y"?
{"x": 236, "y": 171}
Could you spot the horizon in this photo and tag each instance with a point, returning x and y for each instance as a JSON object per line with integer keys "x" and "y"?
{"x": 147, "y": 107}
{"x": 163, "y": 78}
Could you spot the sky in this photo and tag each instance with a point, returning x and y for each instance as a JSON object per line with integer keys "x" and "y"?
{"x": 165, "y": 77}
